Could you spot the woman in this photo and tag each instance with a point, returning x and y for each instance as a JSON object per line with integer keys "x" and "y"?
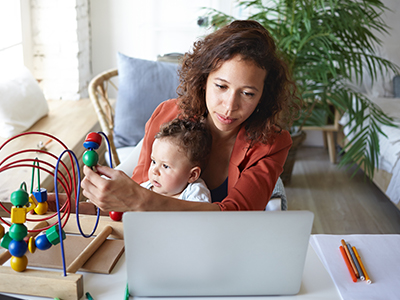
{"x": 235, "y": 81}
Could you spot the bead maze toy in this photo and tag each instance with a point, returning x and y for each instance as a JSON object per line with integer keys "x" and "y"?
{"x": 30, "y": 209}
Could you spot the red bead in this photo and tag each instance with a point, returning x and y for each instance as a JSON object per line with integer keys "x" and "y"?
{"x": 115, "y": 215}
{"x": 93, "y": 137}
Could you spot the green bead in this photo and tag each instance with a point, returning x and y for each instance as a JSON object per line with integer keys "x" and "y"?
{"x": 90, "y": 158}
{"x": 53, "y": 236}
{"x": 6, "y": 240}
{"x": 19, "y": 198}
{"x": 18, "y": 231}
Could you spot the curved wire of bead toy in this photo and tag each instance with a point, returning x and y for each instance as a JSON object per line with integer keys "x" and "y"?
{"x": 67, "y": 182}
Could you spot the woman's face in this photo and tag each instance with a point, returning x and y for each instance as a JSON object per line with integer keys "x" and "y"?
{"x": 233, "y": 92}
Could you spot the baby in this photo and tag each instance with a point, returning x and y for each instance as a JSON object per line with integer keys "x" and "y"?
{"x": 180, "y": 151}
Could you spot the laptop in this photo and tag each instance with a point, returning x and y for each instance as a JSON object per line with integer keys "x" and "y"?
{"x": 216, "y": 253}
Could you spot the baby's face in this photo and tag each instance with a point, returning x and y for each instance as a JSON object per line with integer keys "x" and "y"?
{"x": 170, "y": 168}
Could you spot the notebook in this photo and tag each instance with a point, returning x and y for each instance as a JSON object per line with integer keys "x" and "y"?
{"x": 216, "y": 253}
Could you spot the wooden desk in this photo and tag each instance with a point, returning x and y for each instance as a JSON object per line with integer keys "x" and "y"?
{"x": 69, "y": 121}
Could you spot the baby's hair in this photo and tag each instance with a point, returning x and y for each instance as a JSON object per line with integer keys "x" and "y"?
{"x": 193, "y": 137}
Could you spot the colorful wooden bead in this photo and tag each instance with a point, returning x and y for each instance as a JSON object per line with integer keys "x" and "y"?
{"x": 91, "y": 145}
{"x": 115, "y": 215}
{"x": 31, "y": 245}
{"x": 18, "y": 231}
{"x": 32, "y": 204}
{"x": 19, "y": 198}
{"x": 6, "y": 240}
{"x": 92, "y": 141}
{"x": 53, "y": 235}
{"x": 90, "y": 158}
{"x": 18, "y": 215}
{"x": 42, "y": 243}
{"x": 41, "y": 208}
{"x": 19, "y": 264}
{"x": 40, "y": 196}
{"x": 17, "y": 248}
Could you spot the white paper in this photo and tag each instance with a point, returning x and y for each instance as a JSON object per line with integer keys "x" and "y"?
{"x": 380, "y": 255}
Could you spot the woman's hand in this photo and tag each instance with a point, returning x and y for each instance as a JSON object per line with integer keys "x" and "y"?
{"x": 85, "y": 208}
{"x": 112, "y": 190}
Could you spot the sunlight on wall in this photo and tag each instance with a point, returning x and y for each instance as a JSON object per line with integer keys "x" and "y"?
{"x": 11, "y": 54}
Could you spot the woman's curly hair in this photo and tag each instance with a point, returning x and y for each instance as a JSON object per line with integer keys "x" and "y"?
{"x": 279, "y": 101}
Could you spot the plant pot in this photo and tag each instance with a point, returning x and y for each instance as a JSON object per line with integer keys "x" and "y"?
{"x": 298, "y": 139}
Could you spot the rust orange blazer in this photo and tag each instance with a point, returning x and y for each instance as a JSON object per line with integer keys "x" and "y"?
{"x": 252, "y": 172}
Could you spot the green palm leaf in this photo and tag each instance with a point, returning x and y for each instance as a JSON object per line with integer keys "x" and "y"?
{"x": 327, "y": 44}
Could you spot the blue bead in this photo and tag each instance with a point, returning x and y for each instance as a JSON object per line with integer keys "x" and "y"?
{"x": 42, "y": 243}
{"x": 40, "y": 196}
{"x": 91, "y": 145}
{"x": 17, "y": 248}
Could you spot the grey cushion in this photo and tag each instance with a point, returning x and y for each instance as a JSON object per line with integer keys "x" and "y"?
{"x": 142, "y": 86}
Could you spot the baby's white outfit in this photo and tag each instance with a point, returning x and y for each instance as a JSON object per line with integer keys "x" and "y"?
{"x": 195, "y": 191}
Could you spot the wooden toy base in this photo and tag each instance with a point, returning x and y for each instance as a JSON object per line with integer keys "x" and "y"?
{"x": 41, "y": 283}
{"x": 102, "y": 261}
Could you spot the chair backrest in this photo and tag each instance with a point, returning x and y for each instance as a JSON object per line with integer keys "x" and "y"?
{"x": 103, "y": 105}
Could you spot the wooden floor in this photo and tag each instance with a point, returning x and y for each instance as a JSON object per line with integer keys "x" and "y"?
{"x": 341, "y": 205}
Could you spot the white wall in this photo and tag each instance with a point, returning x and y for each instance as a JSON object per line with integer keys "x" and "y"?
{"x": 60, "y": 47}
{"x": 145, "y": 29}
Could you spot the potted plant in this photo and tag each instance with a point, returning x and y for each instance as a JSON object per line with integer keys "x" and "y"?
{"x": 328, "y": 45}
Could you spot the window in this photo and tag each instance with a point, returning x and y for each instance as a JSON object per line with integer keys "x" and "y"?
{"x": 14, "y": 23}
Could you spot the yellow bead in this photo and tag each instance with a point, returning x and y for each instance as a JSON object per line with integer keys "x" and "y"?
{"x": 32, "y": 204}
{"x": 31, "y": 245}
{"x": 41, "y": 208}
{"x": 18, "y": 215}
{"x": 19, "y": 264}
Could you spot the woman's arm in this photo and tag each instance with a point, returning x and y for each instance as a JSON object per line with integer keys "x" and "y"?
{"x": 118, "y": 192}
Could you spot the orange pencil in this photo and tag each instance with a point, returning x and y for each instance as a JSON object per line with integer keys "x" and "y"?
{"x": 350, "y": 259}
{"x": 346, "y": 260}
{"x": 362, "y": 265}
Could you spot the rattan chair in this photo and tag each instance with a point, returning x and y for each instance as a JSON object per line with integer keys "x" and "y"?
{"x": 98, "y": 94}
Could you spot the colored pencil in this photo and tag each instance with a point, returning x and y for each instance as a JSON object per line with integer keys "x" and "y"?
{"x": 350, "y": 259}
{"x": 362, "y": 265}
{"x": 353, "y": 256}
{"x": 346, "y": 260}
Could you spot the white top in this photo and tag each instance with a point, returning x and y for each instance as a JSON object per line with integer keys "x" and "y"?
{"x": 196, "y": 191}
